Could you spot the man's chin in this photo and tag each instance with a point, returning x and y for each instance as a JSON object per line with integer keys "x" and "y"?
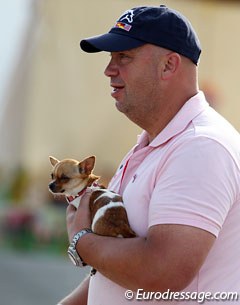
{"x": 119, "y": 105}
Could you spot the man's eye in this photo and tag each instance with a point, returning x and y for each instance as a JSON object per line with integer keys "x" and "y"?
{"x": 123, "y": 55}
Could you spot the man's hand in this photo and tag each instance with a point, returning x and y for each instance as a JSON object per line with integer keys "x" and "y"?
{"x": 78, "y": 219}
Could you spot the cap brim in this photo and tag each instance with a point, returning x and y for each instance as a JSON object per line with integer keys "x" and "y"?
{"x": 110, "y": 42}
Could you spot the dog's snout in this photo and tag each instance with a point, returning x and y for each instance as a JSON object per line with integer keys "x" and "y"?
{"x": 52, "y": 186}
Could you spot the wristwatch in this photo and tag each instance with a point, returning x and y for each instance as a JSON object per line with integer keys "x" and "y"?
{"x": 72, "y": 252}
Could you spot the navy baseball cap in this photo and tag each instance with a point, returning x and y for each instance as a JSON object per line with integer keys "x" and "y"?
{"x": 161, "y": 26}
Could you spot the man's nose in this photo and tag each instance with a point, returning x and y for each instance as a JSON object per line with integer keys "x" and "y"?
{"x": 111, "y": 69}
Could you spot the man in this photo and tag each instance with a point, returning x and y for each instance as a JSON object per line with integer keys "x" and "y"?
{"x": 180, "y": 183}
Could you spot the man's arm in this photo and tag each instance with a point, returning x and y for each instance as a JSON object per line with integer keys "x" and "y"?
{"x": 78, "y": 296}
{"x": 169, "y": 257}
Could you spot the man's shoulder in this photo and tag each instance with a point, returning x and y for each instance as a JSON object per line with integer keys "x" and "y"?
{"x": 211, "y": 125}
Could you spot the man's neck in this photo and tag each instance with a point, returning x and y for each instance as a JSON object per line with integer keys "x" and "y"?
{"x": 154, "y": 130}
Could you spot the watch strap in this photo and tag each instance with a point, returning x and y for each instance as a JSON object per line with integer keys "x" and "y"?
{"x": 72, "y": 251}
{"x": 79, "y": 235}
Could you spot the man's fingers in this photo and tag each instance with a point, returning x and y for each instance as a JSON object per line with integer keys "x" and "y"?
{"x": 80, "y": 218}
{"x": 85, "y": 199}
{"x": 71, "y": 209}
{"x": 70, "y": 212}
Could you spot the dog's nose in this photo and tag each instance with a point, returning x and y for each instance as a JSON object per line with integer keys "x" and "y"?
{"x": 51, "y": 186}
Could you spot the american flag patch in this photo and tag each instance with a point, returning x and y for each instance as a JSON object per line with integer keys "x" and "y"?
{"x": 124, "y": 26}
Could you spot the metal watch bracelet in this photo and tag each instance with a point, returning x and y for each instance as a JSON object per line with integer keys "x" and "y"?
{"x": 72, "y": 251}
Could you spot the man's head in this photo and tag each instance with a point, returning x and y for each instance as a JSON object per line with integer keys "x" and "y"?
{"x": 153, "y": 64}
{"x": 159, "y": 26}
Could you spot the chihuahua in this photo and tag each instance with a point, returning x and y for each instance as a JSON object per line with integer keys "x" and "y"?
{"x": 108, "y": 214}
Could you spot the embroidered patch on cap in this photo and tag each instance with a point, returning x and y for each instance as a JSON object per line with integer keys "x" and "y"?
{"x": 123, "y": 26}
{"x": 128, "y": 15}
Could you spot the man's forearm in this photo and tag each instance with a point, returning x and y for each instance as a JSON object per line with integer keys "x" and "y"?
{"x": 164, "y": 260}
{"x": 168, "y": 258}
{"x": 120, "y": 260}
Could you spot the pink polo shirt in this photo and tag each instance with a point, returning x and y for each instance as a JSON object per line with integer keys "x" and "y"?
{"x": 190, "y": 175}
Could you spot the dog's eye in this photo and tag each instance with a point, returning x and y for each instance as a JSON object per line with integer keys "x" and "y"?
{"x": 52, "y": 176}
{"x": 64, "y": 178}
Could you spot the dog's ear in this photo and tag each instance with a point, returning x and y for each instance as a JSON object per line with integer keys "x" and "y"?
{"x": 53, "y": 160}
{"x": 87, "y": 165}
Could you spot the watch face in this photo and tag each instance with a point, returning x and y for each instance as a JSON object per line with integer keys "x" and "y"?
{"x": 72, "y": 258}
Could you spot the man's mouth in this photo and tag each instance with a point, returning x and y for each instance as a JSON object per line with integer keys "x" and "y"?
{"x": 116, "y": 89}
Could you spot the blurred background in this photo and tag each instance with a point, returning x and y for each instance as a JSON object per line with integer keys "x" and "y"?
{"x": 55, "y": 100}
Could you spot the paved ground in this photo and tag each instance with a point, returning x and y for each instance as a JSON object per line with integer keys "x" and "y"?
{"x": 36, "y": 280}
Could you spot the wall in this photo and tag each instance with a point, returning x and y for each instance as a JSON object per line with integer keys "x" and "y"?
{"x": 68, "y": 110}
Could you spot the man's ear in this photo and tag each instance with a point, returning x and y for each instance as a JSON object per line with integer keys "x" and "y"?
{"x": 171, "y": 64}
{"x": 87, "y": 165}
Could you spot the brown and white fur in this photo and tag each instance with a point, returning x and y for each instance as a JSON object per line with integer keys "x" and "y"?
{"x": 108, "y": 214}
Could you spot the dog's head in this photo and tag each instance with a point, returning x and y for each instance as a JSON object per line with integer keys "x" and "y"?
{"x": 70, "y": 176}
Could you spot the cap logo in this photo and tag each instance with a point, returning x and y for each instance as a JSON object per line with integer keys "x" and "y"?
{"x": 128, "y": 15}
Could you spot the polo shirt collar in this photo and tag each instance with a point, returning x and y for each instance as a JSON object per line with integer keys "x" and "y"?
{"x": 192, "y": 108}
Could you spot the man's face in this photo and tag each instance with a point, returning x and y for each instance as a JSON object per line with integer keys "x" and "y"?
{"x": 134, "y": 77}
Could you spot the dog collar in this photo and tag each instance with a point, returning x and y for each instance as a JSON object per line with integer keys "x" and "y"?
{"x": 81, "y": 193}
{"x": 71, "y": 198}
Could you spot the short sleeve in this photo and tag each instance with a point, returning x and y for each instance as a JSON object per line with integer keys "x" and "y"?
{"x": 196, "y": 186}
